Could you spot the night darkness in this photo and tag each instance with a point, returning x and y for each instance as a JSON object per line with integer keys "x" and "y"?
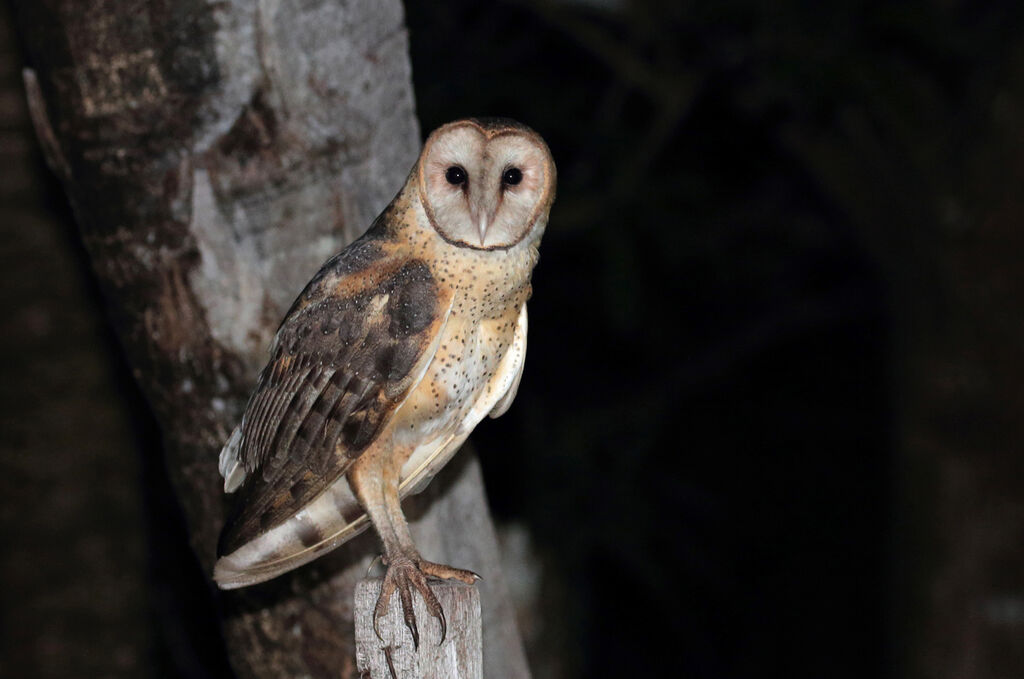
{"x": 702, "y": 438}
{"x": 771, "y": 373}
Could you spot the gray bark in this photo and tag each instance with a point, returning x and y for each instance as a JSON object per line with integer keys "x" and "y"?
{"x": 215, "y": 154}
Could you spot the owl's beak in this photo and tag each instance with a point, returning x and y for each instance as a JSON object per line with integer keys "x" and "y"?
{"x": 482, "y": 225}
{"x": 482, "y": 211}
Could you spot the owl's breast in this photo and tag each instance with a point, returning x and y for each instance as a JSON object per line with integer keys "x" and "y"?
{"x": 469, "y": 355}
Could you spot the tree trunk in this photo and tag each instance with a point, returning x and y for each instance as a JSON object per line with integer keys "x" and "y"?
{"x": 215, "y": 154}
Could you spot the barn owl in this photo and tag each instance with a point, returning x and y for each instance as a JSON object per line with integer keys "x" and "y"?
{"x": 387, "y": 360}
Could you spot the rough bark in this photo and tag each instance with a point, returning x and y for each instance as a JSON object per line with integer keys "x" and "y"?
{"x": 215, "y": 154}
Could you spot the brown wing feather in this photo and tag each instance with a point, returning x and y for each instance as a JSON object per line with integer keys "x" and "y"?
{"x": 343, "y": 360}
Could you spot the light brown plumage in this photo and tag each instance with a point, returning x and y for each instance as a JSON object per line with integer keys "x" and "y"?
{"x": 395, "y": 350}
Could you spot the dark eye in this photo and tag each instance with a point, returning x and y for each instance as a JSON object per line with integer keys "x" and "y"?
{"x": 455, "y": 175}
{"x": 512, "y": 176}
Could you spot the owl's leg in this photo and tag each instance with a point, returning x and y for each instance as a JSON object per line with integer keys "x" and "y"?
{"x": 376, "y": 488}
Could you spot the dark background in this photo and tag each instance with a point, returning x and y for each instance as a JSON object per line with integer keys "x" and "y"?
{"x": 774, "y": 335}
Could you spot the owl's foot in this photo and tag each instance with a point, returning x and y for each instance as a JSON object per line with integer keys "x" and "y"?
{"x": 404, "y": 575}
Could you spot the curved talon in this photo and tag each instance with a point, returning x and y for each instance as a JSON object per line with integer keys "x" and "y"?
{"x": 381, "y": 608}
{"x": 444, "y": 625}
{"x": 373, "y": 563}
{"x": 434, "y": 607}
{"x": 408, "y": 613}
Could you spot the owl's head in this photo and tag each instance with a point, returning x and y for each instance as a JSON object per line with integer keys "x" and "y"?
{"x": 486, "y": 183}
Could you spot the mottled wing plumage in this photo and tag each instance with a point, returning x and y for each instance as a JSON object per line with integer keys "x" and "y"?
{"x": 346, "y": 356}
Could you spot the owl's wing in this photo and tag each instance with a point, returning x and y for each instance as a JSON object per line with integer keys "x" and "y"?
{"x": 345, "y": 358}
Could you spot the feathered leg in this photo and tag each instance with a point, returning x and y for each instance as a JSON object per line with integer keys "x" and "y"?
{"x": 374, "y": 480}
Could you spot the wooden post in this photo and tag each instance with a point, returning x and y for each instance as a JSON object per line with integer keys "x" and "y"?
{"x": 459, "y": 655}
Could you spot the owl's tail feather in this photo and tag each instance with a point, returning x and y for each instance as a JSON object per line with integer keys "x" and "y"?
{"x": 328, "y": 521}
{"x": 238, "y": 569}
